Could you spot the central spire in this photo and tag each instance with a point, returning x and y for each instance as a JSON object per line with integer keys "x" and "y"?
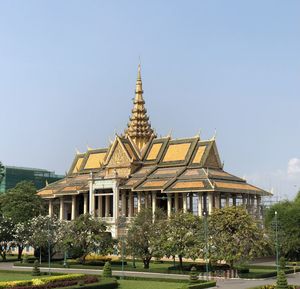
{"x": 139, "y": 127}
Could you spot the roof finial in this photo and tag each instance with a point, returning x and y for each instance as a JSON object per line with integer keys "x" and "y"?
{"x": 215, "y": 135}
{"x": 77, "y": 151}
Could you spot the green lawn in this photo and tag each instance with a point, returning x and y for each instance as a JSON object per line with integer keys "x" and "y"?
{"x": 14, "y": 276}
{"x": 134, "y": 284}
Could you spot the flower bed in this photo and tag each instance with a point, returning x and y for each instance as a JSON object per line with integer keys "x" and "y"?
{"x": 50, "y": 282}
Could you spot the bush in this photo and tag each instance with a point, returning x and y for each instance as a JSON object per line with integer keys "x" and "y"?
{"x": 282, "y": 263}
{"x": 281, "y": 280}
{"x": 107, "y": 273}
{"x": 25, "y": 259}
{"x": 36, "y": 269}
{"x": 207, "y": 284}
{"x": 194, "y": 275}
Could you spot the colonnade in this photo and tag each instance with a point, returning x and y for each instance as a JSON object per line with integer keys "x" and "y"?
{"x": 128, "y": 203}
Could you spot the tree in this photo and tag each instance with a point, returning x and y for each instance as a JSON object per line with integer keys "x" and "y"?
{"x": 145, "y": 235}
{"x": 20, "y": 205}
{"x": 1, "y": 172}
{"x": 89, "y": 234}
{"x": 22, "y": 234}
{"x": 6, "y": 236}
{"x": 45, "y": 231}
{"x": 288, "y": 219}
{"x": 234, "y": 235}
{"x": 107, "y": 273}
{"x": 183, "y": 235}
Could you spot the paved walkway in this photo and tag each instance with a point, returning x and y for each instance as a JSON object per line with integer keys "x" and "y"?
{"x": 222, "y": 284}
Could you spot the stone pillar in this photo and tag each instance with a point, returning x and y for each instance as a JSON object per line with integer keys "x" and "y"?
{"x": 200, "y": 207}
{"x": 100, "y": 208}
{"x": 184, "y": 207}
{"x": 217, "y": 201}
{"x": 258, "y": 208}
{"x": 210, "y": 203}
{"x": 107, "y": 205}
{"x": 191, "y": 195}
{"x": 227, "y": 200}
{"x": 85, "y": 203}
{"x": 61, "y": 208}
{"x": 50, "y": 208}
{"x": 139, "y": 201}
{"x": 116, "y": 197}
{"x": 146, "y": 200}
{"x": 73, "y": 209}
{"x": 92, "y": 199}
{"x": 234, "y": 200}
{"x": 153, "y": 203}
{"x": 123, "y": 201}
{"x": 176, "y": 202}
{"x": 169, "y": 205}
{"x": 130, "y": 204}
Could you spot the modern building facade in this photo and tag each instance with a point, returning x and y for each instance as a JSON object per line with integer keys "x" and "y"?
{"x": 139, "y": 170}
{"x": 14, "y": 175}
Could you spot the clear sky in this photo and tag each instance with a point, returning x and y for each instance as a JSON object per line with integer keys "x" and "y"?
{"x": 68, "y": 70}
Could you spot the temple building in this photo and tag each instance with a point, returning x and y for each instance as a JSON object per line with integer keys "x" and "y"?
{"x": 139, "y": 170}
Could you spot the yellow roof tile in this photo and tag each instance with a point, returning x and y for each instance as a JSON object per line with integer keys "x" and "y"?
{"x": 95, "y": 160}
{"x": 176, "y": 152}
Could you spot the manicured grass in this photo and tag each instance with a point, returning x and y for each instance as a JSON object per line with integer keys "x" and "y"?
{"x": 134, "y": 284}
{"x": 15, "y": 276}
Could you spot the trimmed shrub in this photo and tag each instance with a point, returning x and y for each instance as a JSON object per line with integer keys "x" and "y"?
{"x": 25, "y": 259}
{"x": 281, "y": 280}
{"x": 36, "y": 269}
{"x": 107, "y": 273}
{"x": 282, "y": 263}
{"x": 194, "y": 275}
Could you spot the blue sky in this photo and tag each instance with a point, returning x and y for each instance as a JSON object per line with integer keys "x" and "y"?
{"x": 68, "y": 70}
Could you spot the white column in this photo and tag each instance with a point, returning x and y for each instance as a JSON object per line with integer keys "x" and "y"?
{"x": 123, "y": 200}
{"x": 116, "y": 196}
{"x": 50, "y": 208}
{"x": 153, "y": 203}
{"x": 227, "y": 200}
{"x": 73, "y": 209}
{"x": 92, "y": 198}
{"x": 184, "y": 202}
{"x": 169, "y": 205}
{"x": 107, "y": 205}
{"x": 130, "y": 204}
{"x": 200, "y": 208}
{"x": 258, "y": 203}
{"x": 210, "y": 203}
{"x": 85, "y": 203}
{"x": 176, "y": 201}
{"x": 139, "y": 201}
{"x": 217, "y": 201}
{"x": 146, "y": 200}
{"x": 100, "y": 211}
{"x": 61, "y": 208}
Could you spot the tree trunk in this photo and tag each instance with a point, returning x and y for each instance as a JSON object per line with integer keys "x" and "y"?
{"x": 40, "y": 255}
{"x": 3, "y": 255}
{"x": 180, "y": 262}
{"x": 146, "y": 262}
{"x": 20, "y": 251}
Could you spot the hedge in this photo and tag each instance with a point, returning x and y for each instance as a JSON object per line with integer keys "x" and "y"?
{"x": 104, "y": 284}
{"x": 207, "y": 284}
{"x": 41, "y": 281}
{"x": 154, "y": 279}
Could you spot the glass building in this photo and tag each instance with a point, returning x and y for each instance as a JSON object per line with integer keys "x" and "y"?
{"x": 14, "y": 175}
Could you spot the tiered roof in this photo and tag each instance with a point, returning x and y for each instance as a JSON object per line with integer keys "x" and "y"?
{"x": 143, "y": 162}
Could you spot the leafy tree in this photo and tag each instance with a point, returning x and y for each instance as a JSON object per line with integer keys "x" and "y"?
{"x": 89, "y": 234}
{"x": 21, "y": 235}
{"x": 288, "y": 219}
{"x": 21, "y": 203}
{"x": 1, "y": 172}
{"x": 234, "y": 235}
{"x": 146, "y": 235}
{"x": 183, "y": 235}
{"x": 6, "y": 236}
{"x": 45, "y": 231}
